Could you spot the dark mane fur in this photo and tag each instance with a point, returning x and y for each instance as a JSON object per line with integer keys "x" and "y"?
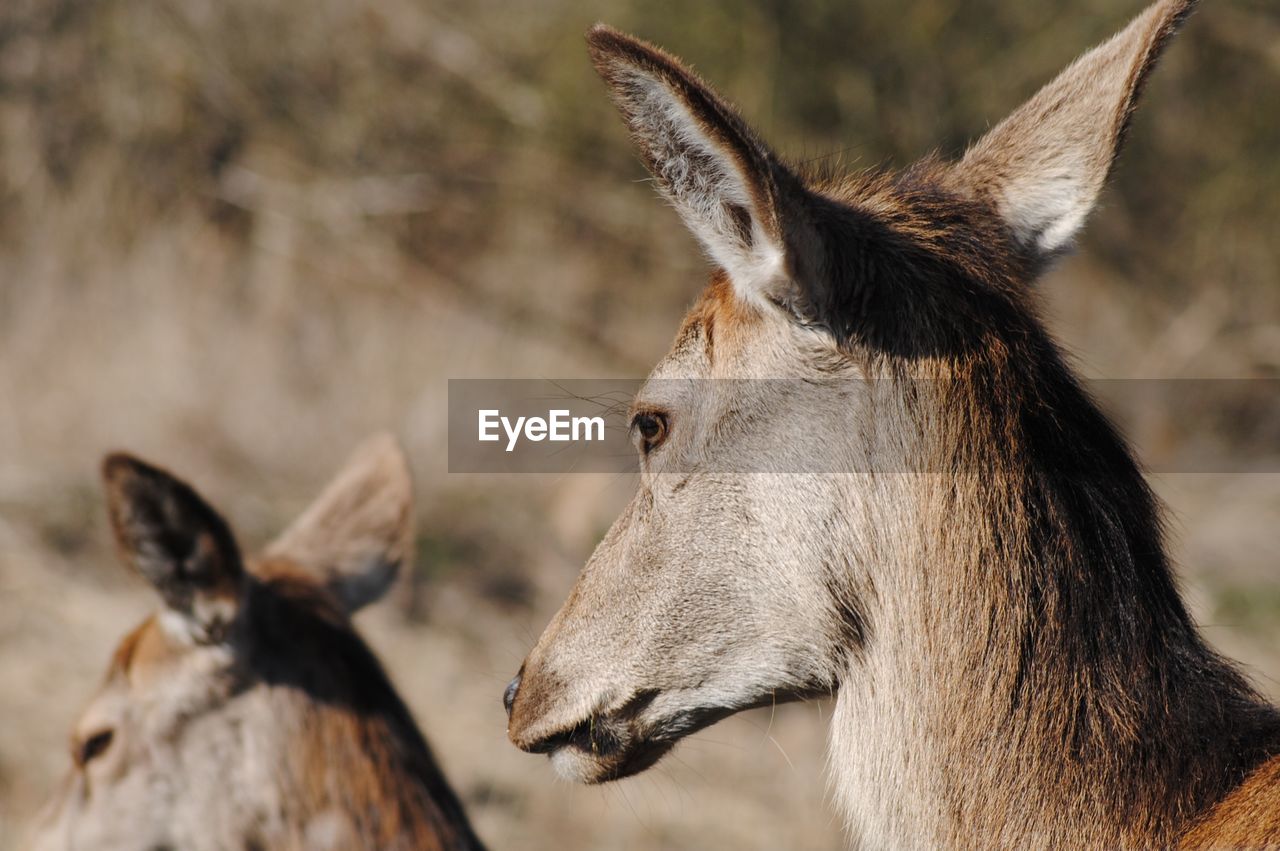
{"x": 1094, "y": 676}
{"x": 358, "y": 750}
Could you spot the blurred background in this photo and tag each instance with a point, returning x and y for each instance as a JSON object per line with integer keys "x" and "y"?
{"x": 236, "y": 236}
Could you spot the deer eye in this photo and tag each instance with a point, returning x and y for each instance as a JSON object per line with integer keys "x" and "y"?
{"x": 93, "y": 747}
{"x": 652, "y": 428}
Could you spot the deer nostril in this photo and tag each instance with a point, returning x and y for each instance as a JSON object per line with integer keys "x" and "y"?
{"x": 509, "y": 696}
{"x": 94, "y": 746}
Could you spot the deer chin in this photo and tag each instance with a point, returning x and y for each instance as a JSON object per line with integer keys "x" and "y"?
{"x": 602, "y": 750}
{"x": 621, "y": 731}
{"x": 620, "y": 743}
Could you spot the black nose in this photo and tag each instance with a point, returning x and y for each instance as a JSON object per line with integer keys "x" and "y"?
{"x": 509, "y": 696}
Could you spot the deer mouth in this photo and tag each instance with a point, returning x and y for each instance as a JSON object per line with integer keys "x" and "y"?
{"x": 620, "y": 743}
{"x": 600, "y": 750}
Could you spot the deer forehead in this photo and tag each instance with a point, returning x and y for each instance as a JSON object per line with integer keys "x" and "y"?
{"x": 724, "y": 336}
{"x": 144, "y": 653}
{"x": 158, "y": 659}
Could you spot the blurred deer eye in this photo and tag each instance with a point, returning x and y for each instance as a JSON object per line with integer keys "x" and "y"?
{"x": 93, "y": 747}
{"x": 652, "y": 428}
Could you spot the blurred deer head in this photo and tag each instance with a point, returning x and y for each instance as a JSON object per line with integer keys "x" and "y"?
{"x": 924, "y": 513}
{"x": 247, "y": 712}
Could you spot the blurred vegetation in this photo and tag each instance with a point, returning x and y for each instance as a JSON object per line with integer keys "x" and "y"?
{"x": 1255, "y": 608}
{"x": 445, "y": 125}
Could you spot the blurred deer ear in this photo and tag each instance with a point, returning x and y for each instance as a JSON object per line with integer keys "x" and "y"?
{"x": 730, "y": 189}
{"x": 177, "y": 542}
{"x": 359, "y": 530}
{"x": 1045, "y": 164}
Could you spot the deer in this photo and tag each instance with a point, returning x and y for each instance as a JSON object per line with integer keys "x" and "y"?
{"x": 247, "y": 711}
{"x": 997, "y": 619}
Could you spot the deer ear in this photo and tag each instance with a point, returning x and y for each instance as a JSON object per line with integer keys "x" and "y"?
{"x": 731, "y": 190}
{"x": 359, "y": 531}
{"x": 1045, "y": 164}
{"x": 172, "y": 537}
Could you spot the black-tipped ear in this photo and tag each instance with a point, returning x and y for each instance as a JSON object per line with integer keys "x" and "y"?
{"x": 1045, "y": 164}
{"x": 179, "y": 544}
{"x": 359, "y": 531}
{"x": 731, "y": 190}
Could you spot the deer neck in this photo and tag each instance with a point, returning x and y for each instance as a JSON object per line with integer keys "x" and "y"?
{"x": 1030, "y": 676}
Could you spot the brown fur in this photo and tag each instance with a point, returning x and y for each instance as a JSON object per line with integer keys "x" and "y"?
{"x": 1244, "y": 819}
{"x": 1095, "y": 682}
{"x": 1014, "y": 664}
{"x": 250, "y": 701}
{"x": 358, "y": 750}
